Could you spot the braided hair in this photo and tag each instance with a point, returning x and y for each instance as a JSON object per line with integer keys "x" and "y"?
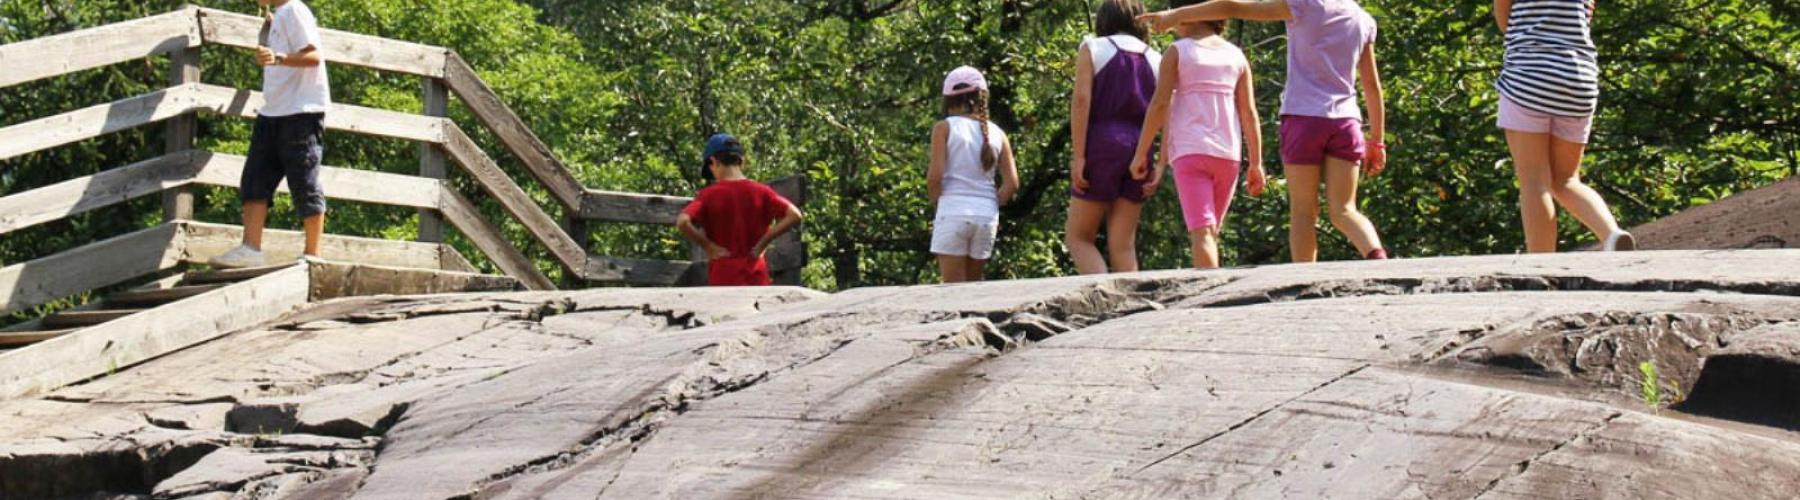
{"x": 975, "y": 104}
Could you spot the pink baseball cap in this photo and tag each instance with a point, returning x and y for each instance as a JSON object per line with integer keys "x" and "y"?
{"x": 968, "y": 78}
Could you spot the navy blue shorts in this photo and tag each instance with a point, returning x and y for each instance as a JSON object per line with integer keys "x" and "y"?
{"x": 286, "y": 147}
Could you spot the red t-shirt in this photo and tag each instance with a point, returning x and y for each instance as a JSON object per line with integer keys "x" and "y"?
{"x": 736, "y": 214}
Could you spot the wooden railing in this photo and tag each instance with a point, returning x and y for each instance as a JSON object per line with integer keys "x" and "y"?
{"x": 443, "y": 72}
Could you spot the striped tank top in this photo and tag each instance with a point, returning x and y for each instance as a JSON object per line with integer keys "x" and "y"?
{"x": 1551, "y": 64}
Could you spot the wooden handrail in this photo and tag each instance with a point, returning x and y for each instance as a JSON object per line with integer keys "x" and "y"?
{"x": 381, "y": 188}
{"x": 90, "y": 48}
{"x": 343, "y": 47}
{"x": 228, "y": 101}
{"x": 93, "y": 121}
{"x": 486, "y": 236}
{"x": 75, "y": 196}
{"x": 513, "y": 133}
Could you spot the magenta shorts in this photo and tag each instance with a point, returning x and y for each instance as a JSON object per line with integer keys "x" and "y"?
{"x": 1307, "y": 140}
{"x": 1521, "y": 119}
{"x": 1205, "y": 184}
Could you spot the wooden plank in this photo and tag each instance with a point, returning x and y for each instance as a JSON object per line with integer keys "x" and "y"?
{"x": 341, "y": 47}
{"x": 87, "y": 123}
{"x": 179, "y": 132}
{"x": 81, "y": 319}
{"x": 463, "y": 215}
{"x": 232, "y": 275}
{"x": 111, "y": 187}
{"x": 612, "y": 206}
{"x": 103, "y": 349}
{"x": 355, "y": 119}
{"x": 637, "y": 271}
{"x": 202, "y": 241}
{"x": 156, "y": 296}
{"x": 333, "y": 280}
{"x": 788, "y": 252}
{"x": 91, "y": 266}
{"x": 436, "y": 101}
{"x": 90, "y": 48}
{"x": 10, "y": 340}
{"x": 464, "y": 151}
{"x": 365, "y": 186}
{"x": 451, "y": 260}
{"x": 513, "y": 132}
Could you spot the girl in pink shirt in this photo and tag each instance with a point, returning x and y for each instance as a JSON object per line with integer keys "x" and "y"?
{"x": 1205, "y": 99}
{"x": 1331, "y": 45}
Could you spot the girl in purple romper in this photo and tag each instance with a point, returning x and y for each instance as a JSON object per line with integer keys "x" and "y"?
{"x": 1115, "y": 77}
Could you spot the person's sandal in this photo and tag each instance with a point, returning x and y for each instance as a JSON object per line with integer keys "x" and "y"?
{"x": 1620, "y": 242}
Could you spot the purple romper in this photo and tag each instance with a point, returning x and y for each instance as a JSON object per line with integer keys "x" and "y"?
{"x": 1122, "y": 92}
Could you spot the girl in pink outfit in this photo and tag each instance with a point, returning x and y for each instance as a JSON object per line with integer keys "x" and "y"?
{"x": 1331, "y": 50}
{"x": 1204, "y": 97}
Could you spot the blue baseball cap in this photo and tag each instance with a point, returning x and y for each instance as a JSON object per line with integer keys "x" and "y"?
{"x": 719, "y": 143}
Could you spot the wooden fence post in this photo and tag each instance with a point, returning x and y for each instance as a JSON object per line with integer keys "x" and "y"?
{"x": 431, "y": 159}
{"x": 179, "y": 132}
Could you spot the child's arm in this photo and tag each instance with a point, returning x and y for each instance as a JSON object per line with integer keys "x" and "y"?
{"x": 1154, "y": 120}
{"x": 694, "y": 234}
{"x": 1009, "y": 172}
{"x": 1375, "y": 158}
{"x": 1078, "y": 116}
{"x": 1251, "y": 10}
{"x": 787, "y": 222}
{"x": 1502, "y": 14}
{"x": 1252, "y": 125}
{"x": 934, "y": 178}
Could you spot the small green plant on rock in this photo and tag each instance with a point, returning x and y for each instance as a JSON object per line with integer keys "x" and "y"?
{"x": 1651, "y": 388}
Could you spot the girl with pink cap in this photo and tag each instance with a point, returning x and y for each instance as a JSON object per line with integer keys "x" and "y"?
{"x": 966, "y": 152}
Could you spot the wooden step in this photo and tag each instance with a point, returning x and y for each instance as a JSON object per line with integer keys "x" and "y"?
{"x": 79, "y": 319}
{"x": 19, "y": 339}
{"x": 157, "y": 296}
{"x": 231, "y": 275}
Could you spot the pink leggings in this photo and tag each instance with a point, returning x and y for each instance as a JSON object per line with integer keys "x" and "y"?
{"x": 1205, "y": 184}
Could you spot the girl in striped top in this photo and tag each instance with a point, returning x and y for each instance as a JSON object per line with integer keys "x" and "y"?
{"x": 1548, "y": 88}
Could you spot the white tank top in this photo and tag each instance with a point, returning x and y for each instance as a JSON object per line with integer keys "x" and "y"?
{"x": 969, "y": 189}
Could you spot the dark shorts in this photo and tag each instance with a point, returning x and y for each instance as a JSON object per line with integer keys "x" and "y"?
{"x": 1307, "y": 140}
{"x": 1109, "y": 180}
{"x": 286, "y": 147}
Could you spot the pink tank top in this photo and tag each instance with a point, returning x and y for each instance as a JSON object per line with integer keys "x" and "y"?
{"x": 1203, "y": 117}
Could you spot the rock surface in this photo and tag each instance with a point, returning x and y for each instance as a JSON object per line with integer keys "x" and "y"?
{"x": 1503, "y": 377}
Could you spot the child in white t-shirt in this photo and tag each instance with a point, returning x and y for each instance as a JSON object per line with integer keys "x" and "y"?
{"x": 966, "y": 150}
{"x": 290, "y": 126}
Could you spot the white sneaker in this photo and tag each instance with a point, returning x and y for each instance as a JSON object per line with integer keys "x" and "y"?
{"x": 1620, "y": 242}
{"x": 312, "y": 259}
{"x": 240, "y": 257}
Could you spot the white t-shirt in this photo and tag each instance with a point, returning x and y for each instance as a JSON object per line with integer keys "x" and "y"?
{"x": 288, "y": 90}
{"x": 1103, "y": 52}
{"x": 968, "y": 188}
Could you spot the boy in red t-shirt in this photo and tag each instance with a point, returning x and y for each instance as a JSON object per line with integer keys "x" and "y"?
{"x": 733, "y": 217}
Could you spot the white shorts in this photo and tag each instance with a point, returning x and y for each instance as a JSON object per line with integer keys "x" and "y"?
{"x": 971, "y": 237}
{"x": 1521, "y": 119}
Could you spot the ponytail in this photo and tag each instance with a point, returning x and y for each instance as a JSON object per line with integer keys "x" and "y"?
{"x": 979, "y": 108}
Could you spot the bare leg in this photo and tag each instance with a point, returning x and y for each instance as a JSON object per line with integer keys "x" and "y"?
{"x": 315, "y": 230}
{"x": 1303, "y": 212}
{"x": 1531, "y": 163}
{"x": 1206, "y": 247}
{"x": 256, "y": 215}
{"x": 1340, "y": 193}
{"x": 1121, "y": 235}
{"x": 1079, "y": 235}
{"x": 1580, "y": 200}
{"x": 953, "y": 267}
{"x": 976, "y": 270}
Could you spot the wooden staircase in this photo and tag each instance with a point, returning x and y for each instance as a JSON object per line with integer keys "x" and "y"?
{"x": 128, "y": 302}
